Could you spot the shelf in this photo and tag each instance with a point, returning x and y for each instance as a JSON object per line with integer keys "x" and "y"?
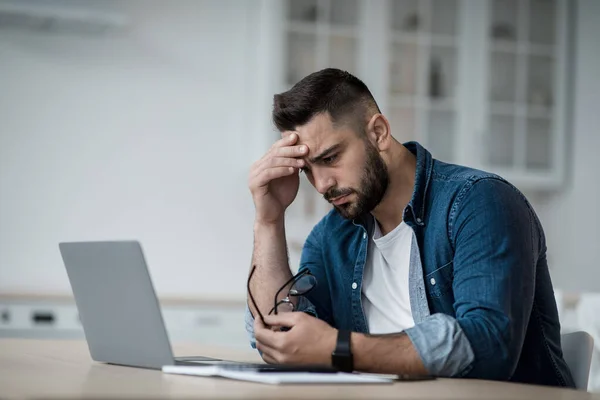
{"x": 520, "y": 109}
{"x": 405, "y": 101}
{"x": 407, "y": 38}
{"x": 209, "y": 323}
{"x": 541, "y": 112}
{"x": 503, "y": 108}
{"x": 321, "y": 28}
{"x": 523, "y": 48}
{"x": 445, "y": 104}
{"x": 442, "y": 40}
{"x": 335, "y": 12}
{"x": 67, "y": 299}
{"x": 424, "y": 39}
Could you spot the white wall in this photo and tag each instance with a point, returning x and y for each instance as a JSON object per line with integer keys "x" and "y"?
{"x": 149, "y": 135}
{"x": 572, "y": 217}
{"x": 146, "y": 134}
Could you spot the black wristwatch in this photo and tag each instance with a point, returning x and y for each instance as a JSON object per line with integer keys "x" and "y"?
{"x": 341, "y": 358}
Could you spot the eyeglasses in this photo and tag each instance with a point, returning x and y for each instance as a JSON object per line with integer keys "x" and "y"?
{"x": 301, "y": 283}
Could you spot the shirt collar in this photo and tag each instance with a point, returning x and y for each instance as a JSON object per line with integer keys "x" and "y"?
{"x": 415, "y": 209}
{"x": 414, "y": 213}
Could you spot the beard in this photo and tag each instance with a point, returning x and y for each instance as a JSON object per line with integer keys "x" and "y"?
{"x": 373, "y": 184}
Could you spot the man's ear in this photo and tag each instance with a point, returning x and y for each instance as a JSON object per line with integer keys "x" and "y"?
{"x": 378, "y": 132}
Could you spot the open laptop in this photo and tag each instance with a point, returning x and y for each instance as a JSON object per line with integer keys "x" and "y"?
{"x": 119, "y": 310}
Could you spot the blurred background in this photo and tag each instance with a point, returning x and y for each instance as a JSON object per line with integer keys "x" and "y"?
{"x": 140, "y": 119}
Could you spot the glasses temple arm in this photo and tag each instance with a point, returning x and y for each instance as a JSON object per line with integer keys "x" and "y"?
{"x": 254, "y": 301}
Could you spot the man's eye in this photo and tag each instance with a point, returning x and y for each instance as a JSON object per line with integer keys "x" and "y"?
{"x": 330, "y": 159}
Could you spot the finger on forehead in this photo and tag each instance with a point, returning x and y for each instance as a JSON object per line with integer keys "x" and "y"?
{"x": 285, "y": 134}
{"x": 284, "y": 141}
{"x": 291, "y": 151}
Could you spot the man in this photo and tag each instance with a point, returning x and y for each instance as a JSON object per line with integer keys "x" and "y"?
{"x": 422, "y": 267}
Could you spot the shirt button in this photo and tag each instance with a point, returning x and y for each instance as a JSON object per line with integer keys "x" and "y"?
{"x": 354, "y": 285}
{"x": 432, "y": 281}
{"x": 419, "y": 220}
{"x": 364, "y": 235}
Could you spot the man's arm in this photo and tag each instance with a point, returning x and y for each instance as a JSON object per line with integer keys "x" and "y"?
{"x": 273, "y": 181}
{"x": 497, "y": 242}
{"x": 312, "y": 341}
{"x": 386, "y": 354}
{"x": 272, "y": 267}
{"x": 316, "y": 303}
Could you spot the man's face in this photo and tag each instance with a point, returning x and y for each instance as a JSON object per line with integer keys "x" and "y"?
{"x": 343, "y": 166}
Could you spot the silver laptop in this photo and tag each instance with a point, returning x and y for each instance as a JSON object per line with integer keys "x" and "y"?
{"x": 121, "y": 315}
{"x": 118, "y": 307}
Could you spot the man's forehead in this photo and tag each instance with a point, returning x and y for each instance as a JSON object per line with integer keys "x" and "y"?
{"x": 318, "y": 134}
{"x": 318, "y": 126}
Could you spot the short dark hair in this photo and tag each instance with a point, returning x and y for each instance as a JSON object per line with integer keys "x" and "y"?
{"x": 339, "y": 93}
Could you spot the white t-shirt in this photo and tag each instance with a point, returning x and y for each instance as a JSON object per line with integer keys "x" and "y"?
{"x": 385, "y": 295}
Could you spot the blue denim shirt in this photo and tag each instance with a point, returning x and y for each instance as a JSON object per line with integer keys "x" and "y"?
{"x": 480, "y": 290}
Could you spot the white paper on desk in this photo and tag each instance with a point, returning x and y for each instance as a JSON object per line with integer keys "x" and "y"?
{"x": 276, "y": 378}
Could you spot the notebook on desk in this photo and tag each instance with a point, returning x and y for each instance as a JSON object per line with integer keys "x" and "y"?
{"x": 118, "y": 307}
{"x": 278, "y": 377}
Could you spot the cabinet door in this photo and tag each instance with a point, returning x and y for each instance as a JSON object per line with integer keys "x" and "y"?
{"x": 523, "y": 130}
{"x": 320, "y": 34}
{"x": 423, "y": 88}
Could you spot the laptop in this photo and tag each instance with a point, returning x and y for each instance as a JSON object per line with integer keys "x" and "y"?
{"x": 120, "y": 312}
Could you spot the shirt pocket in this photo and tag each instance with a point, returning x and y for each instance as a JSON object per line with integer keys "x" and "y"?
{"x": 439, "y": 282}
{"x": 439, "y": 288}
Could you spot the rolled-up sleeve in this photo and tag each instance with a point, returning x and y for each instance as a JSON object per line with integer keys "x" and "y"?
{"x": 442, "y": 345}
{"x": 497, "y": 241}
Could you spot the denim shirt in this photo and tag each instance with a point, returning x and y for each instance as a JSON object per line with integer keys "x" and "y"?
{"x": 480, "y": 290}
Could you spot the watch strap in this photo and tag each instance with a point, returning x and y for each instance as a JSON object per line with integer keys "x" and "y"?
{"x": 342, "y": 346}
{"x": 342, "y": 358}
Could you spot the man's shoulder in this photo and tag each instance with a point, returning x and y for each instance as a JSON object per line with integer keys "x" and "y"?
{"x": 466, "y": 188}
{"x": 454, "y": 183}
{"x": 446, "y": 172}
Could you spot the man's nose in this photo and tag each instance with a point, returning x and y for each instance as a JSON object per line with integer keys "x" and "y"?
{"x": 323, "y": 182}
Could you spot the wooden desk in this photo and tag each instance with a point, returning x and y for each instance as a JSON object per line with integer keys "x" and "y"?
{"x": 47, "y": 369}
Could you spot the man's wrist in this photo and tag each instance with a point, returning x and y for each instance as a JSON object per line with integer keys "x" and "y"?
{"x": 330, "y": 346}
{"x": 268, "y": 225}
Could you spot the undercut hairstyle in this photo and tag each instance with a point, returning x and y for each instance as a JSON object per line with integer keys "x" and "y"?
{"x": 339, "y": 93}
